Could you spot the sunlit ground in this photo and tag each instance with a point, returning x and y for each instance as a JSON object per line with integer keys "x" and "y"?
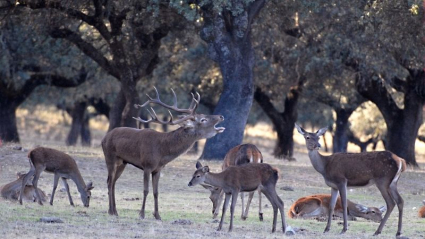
{"x": 185, "y": 211}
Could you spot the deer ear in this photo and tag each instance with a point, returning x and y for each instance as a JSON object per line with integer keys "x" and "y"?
{"x": 362, "y": 208}
{"x": 300, "y": 130}
{"x": 205, "y": 169}
{"x": 321, "y": 131}
{"x": 198, "y": 165}
{"x": 89, "y": 186}
{"x": 383, "y": 209}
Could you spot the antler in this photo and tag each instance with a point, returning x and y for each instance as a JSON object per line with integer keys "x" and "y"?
{"x": 154, "y": 118}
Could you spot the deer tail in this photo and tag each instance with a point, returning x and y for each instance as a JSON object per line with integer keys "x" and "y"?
{"x": 401, "y": 167}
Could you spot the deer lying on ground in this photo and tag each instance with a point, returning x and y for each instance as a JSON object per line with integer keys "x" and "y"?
{"x": 12, "y": 190}
{"x": 342, "y": 170}
{"x": 421, "y": 212}
{"x": 62, "y": 166}
{"x": 239, "y": 155}
{"x": 318, "y": 206}
{"x": 234, "y": 180}
{"x": 150, "y": 150}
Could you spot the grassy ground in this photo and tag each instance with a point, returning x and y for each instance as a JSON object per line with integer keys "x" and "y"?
{"x": 185, "y": 211}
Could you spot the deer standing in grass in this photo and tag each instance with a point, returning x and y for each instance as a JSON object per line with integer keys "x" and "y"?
{"x": 62, "y": 166}
{"x": 318, "y": 206}
{"x": 150, "y": 150}
{"x": 234, "y": 180}
{"x": 12, "y": 190}
{"x": 342, "y": 170}
{"x": 238, "y": 155}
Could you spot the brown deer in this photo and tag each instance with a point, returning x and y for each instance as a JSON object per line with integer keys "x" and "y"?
{"x": 234, "y": 180}
{"x": 318, "y": 206}
{"x": 238, "y": 155}
{"x": 421, "y": 212}
{"x": 12, "y": 190}
{"x": 150, "y": 150}
{"x": 62, "y": 166}
{"x": 342, "y": 170}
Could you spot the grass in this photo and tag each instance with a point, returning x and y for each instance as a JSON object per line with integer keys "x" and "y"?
{"x": 179, "y": 204}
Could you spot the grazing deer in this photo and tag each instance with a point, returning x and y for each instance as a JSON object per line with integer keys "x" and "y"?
{"x": 62, "y": 166}
{"x": 12, "y": 190}
{"x": 234, "y": 180}
{"x": 239, "y": 155}
{"x": 342, "y": 170}
{"x": 318, "y": 206}
{"x": 421, "y": 212}
{"x": 150, "y": 150}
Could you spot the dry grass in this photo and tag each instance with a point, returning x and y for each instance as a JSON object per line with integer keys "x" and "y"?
{"x": 178, "y": 201}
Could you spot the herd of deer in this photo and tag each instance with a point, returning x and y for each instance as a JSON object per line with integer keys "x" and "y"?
{"x": 243, "y": 170}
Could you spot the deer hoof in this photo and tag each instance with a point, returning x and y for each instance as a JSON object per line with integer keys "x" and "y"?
{"x": 244, "y": 218}
{"x": 261, "y": 217}
{"x": 157, "y": 216}
{"x": 379, "y": 232}
{"x": 326, "y": 230}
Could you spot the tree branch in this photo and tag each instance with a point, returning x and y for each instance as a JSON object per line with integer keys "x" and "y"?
{"x": 85, "y": 47}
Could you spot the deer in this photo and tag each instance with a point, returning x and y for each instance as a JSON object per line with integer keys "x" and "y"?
{"x": 318, "y": 206}
{"x": 12, "y": 190}
{"x": 238, "y": 155}
{"x": 421, "y": 212}
{"x": 150, "y": 150}
{"x": 342, "y": 170}
{"x": 234, "y": 180}
{"x": 62, "y": 166}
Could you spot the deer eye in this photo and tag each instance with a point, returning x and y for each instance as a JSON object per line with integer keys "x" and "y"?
{"x": 198, "y": 176}
{"x": 203, "y": 120}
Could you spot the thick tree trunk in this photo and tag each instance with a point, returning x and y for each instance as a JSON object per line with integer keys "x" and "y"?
{"x": 77, "y": 114}
{"x": 340, "y": 139}
{"x": 116, "y": 111}
{"x": 8, "y": 128}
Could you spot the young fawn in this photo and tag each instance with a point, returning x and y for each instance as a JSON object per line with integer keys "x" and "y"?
{"x": 342, "y": 170}
{"x": 62, "y": 166}
{"x": 318, "y": 206}
{"x": 233, "y": 180}
{"x": 12, "y": 190}
{"x": 238, "y": 155}
{"x": 421, "y": 212}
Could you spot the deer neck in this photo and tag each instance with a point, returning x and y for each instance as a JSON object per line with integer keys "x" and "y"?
{"x": 79, "y": 181}
{"x": 178, "y": 142}
{"x": 214, "y": 179}
{"x": 318, "y": 161}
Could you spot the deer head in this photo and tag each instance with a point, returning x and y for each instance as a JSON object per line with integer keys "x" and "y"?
{"x": 86, "y": 194}
{"x": 202, "y": 125}
{"x": 371, "y": 213}
{"x": 199, "y": 175}
{"x": 311, "y": 139}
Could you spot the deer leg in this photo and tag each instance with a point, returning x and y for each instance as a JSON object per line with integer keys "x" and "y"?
{"x": 251, "y": 195}
{"x": 65, "y": 184}
{"x": 269, "y": 195}
{"x": 55, "y": 185}
{"x": 400, "y": 204}
{"x": 260, "y": 211}
{"x": 217, "y": 208}
{"x": 383, "y": 188}
{"x": 226, "y": 203}
{"x": 146, "y": 175}
{"x": 114, "y": 172}
{"x": 155, "y": 182}
{"x": 232, "y": 209}
{"x": 332, "y": 203}
{"x": 35, "y": 183}
{"x": 243, "y": 204}
{"x": 24, "y": 182}
{"x": 343, "y": 193}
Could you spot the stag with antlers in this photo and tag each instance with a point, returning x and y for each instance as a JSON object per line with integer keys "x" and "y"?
{"x": 150, "y": 150}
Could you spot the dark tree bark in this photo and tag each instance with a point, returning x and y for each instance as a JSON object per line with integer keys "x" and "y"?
{"x": 340, "y": 137}
{"x": 11, "y": 97}
{"x": 402, "y": 123}
{"x": 85, "y": 132}
{"x": 229, "y": 43}
{"x": 78, "y": 115}
{"x": 283, "y": 122}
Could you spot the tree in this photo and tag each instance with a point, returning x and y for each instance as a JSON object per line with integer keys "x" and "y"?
{"x": 122, "y": 37}
{"x": 227, "y": 30}
{"x": 28, "y": 60}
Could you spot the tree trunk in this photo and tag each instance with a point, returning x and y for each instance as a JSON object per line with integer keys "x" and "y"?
{"x": 77, "y": 115}
{"x": 85, "y": 132}
{"x": 340, "y": 139}
{"x": 8, "y": 128}
{"x": 116, "y": 111}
